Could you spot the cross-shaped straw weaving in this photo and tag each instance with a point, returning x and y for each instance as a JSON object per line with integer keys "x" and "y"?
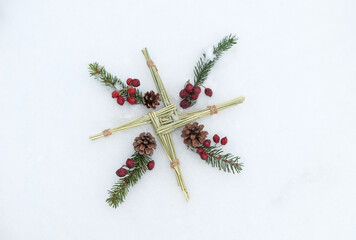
{"x": 164, "y": 123}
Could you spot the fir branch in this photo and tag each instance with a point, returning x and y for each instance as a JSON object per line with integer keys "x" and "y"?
{"x": 99, "y": 73}
{"x": 119, "y": 191}
{"x": 226, "y": 162}
{"x": 204, "y": 65}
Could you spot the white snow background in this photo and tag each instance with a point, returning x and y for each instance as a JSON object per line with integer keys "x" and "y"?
{"x": 294, "y": 62}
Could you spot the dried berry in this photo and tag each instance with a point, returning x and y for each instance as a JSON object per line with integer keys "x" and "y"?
{"x": 151, "y": 165}
{"x": 120, "y": 100}
{"x": 204, "y": 156}
{"x": 183, "y": 93}
{"x": 115, "y": 94}
{"x": 189, "y": 87}
{"x": 207, "y": 143}
{"x": 197, "y": 90}
{"x": 216, "y": 138}
{"x": 132, "y": 100}
{"x": 121, "y": 172}
{"x": 208, "y": 92}
{"x": 184, "y": 104}
{"x": 131, "y": 91}
{"x": 130, "y": 163}
{"x": 224, "y": 140}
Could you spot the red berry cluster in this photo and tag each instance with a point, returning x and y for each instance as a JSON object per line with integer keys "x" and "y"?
{"x": 202, "y": 149}
{"x": 130, "y": 163}
{"x": 129, "y": 92}
{"x": 191, "y": 93}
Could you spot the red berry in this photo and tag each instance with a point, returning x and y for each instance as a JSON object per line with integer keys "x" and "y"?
{"x": 189, "y": 87}
{"x": 200, "y": 150}
{"x": 130, "y": 163}
{"x": 184, "y": 93}
{"x": 131, "y": 91}
{"x": 128, "y": 81}
{"x": 224, "y": 140}
{"x": 216, "y": 138}
{"x": 135, "y": 82}
{"x": 206, "y": 143}
{"x": 208, "y": 92}
{"x": 150, "y": 165}
{"x": 120, "y": 100}
{"x": 204, "y": 156}
{"x": 197, "y": 90}
{"x": 121, "y": 172}
{"x": 115, "y": 94}
{"x": 184, "y": 104}
{"x": 132, "y": 100}
{"x": 194, "y": 96}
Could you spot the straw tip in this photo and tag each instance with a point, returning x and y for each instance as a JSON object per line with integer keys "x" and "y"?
{"x": 241, "y": 98}
{"x": 186, "y": 196}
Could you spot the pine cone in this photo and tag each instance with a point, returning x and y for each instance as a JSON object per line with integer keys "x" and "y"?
{"x": 145, "y": 144}
{"x": 193, "y": 134}
{"x": 151, "y": 99}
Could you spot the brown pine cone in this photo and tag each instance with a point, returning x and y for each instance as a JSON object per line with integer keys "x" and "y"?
{"x": 145, "y": 144}
{"x": 193, "y": 134}
{"x": 151, "y": 99}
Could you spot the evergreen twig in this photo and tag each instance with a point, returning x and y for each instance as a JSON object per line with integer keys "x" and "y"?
{"x": 99, "y": 73}
{"x": 204, "y": 65}
{"x": 226, "y": 162}
{"x": 119, "y": 191}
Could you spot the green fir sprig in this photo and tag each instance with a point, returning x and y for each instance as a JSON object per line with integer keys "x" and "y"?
{"x": 119, "y": 191}
{"x": 226, "y": 162}
{"x": 204, "y": 65}
{"x": 99, "y": 73}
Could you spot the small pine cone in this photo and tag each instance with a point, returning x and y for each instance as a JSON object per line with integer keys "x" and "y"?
{"x": 145, "y": 144}
{"x": 194, "y": 135}
{"x": 151, "y": 99}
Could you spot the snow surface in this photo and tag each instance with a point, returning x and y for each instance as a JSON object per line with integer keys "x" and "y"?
{"x": 294, "y": 62}
{"x": 209, "y": 54}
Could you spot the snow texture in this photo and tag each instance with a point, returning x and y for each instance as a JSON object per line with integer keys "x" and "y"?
{"x": 295, "y": 132}
{"x": 209, "y": 55}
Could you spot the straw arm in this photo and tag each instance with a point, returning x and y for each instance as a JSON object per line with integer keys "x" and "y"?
{"x": 162, "y": 113}
{"x": 192, "y": 116}
{"x": 157, "y": 80}
{"x": 134, "y": 123}
{"x": 168, "y": 147}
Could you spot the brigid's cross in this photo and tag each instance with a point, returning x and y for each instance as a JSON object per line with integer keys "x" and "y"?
{"x": 167, "y": 119}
